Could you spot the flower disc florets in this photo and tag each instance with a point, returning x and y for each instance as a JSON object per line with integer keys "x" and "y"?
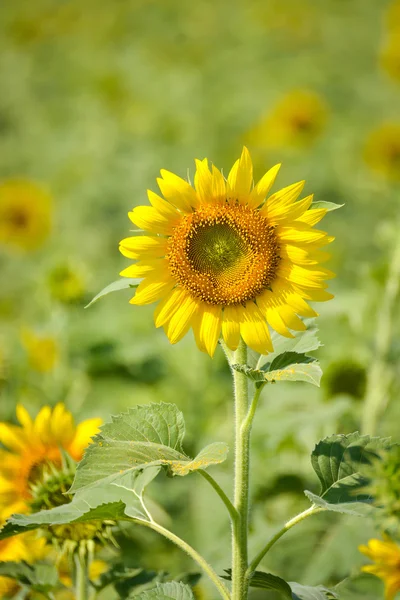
{"x": 224, "y": 253}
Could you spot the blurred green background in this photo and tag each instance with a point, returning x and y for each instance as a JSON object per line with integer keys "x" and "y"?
{"x": 96, "y": 97}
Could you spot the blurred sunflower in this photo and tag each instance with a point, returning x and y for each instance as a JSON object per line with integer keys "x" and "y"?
{"x": 390, "y": 55}
{"x": 297, "y": 20}
{"x": 393, "y": 16}
{"x": 386, "y": 556}
{"x": 66, "y": 284}
{"x": 27, "y": 547}
{"x": 219, "y": 257}
{"x": 96, "y": 569}
{"x": 25, "y": 214}
{"x": 297, "y": 120}
{"x": 42, "y": 351}
{"x": 382, "y": 151}
{"x": 34, "y": 445}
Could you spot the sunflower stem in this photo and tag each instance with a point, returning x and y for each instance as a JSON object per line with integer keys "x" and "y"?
{"x": 379, "y": 378}
{"x": 81, "y": 576}
{"x": 241, "y": 481}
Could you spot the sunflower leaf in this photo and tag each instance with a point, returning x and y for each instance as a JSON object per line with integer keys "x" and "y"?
{"x": 329, "y": 206}
{"x": 340, "y": 462}
{"x": 172, "y": 590}
{"x": 292, "y": 367}
{"x": 288, "y": 591}
{"x": 305, "y": 592}
{"x": 116, "y": 286}
{"x": 146, "y": 436}
{"x": 105, "y": 502}
{"x": 40, "y": 577}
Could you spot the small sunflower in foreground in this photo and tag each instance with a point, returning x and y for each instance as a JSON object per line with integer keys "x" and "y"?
{"x": 220, "y": 258}
{"x": 382, "y": 151}
{"x": 296, "y": 121}
{"x": 25, "y": 214}
{"x": 32, "y": 447}
{"x": 386, "y": 556}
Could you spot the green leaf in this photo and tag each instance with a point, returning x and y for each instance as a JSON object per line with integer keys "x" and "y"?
{"x": 146, "y": 436}
{"x": 340, "y": 463}
{"x": 305, "y": 592}
{"x": 125, "y": 579}
{"x": 105, "y": 502}
{"x": 116, "y": 286}
{"x": 40, "y": 577}
{"x": 360, "y": 587}
{"x": 171, "y": 590}
{"x": 267, "y": 581}
{"x": 329, "y": 206}
{"x": 300, "y": 368}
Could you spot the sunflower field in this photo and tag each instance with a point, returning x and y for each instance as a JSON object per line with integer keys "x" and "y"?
{"x": 199, "y": 240}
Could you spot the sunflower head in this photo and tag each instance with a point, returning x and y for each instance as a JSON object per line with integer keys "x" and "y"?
{"x": 224, "y": 258}
{"x": 346, "y": 377}
{"x": 33, "y": 448}
{"x": 382, "y": 151}
{"x": 66, "y": 284}
{"x": 385, "y": 555}
{"x": 296, "y": 121}
{"x": 25, "y": 214}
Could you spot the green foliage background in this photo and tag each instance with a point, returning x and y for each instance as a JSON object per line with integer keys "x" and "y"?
{"x": 96, "y": 97}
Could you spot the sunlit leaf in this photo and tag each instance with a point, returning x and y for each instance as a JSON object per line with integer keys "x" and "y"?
{"x": 172, "y": 590}
{"x": 121, "y": 284}
{"x": 329, "y": 206}
{"x": 146, "y": 436}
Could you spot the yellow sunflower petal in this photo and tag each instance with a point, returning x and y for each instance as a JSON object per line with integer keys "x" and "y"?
{"x": 260, "y": 191}
{"x": 141, "y": 269}
{"x": 152, "y": 288}
{"x": 177, "y": 191}
{"x": 268, "y": 303}
{"x": 150, "y": 219}
{"x": 254, "y": 329}
{"x": 278, "y": 202}
{"x": 231, "y": 327}
{"x": 289, "y": 212}
{"x": 167, "y": 307}
{"x": 310, "y": 277}
{"x": 62, "y": 425}
{"x": 143, "y": 247}
{"x": 12, "y": 437}
{"x": 179, "y": 324}
{"x": 291, "y": 319}
{"x": 24, "y": 417}
{"x": 303, "y": 234}
{"x": 203, "y": 180}
{"x": 218, "y": 184}
{"x": 165, "y": 209}
{"x": 82, "y": 438}
{"x": 240, "y": 177}
{"x": 313, "y": 216}
{"x": 207, "y": 327}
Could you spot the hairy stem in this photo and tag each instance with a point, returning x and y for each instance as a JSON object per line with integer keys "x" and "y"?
{"x": 313, "y": 510}
{"x": 379, "y": 380}
{"x": 241, "y": 482}
{"x": 231, "y": 509}
{"x": 222, "y": 589}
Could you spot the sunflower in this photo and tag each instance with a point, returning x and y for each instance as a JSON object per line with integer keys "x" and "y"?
{"x": 296, "y": 121}
{"x": 25, "y": 214}
{"x": 221, "y": 259}
{"x": 382, "y": 151}
{"x": 386, "y": 556}
{"x": 27, "y": 547}
{"x": 34, "y": 445}
{"x": 66, "y": 284}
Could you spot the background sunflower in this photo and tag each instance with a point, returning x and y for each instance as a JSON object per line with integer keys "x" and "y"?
{"x": 97, "y": 96}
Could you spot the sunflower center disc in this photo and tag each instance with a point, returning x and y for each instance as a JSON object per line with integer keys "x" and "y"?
{"x": 224, "y": 254}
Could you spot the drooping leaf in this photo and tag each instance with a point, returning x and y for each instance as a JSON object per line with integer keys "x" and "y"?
{"x": 301, "y": 368}
{"x": 305, "y": 592}
{"x": 340, "y": 463}
{"x": 126, "y": 579}
{"x": 146, "y": 436}
{"x": 116, "y": 286}
{"x": 40, "y": 577}
{"x": 105, "y": 502}
{"x": 172, "y": 590}
{"x": 329, "y": 206}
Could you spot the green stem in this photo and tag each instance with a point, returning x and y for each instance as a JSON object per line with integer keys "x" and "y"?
{"x": 81, "y": 577}
{"x": 241, "y": 483}
{"x": 191, "y": 552}
{"x": 379, "y": 380}
{"x": 313, "y": 510}
{"x": 231, "y": 509}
